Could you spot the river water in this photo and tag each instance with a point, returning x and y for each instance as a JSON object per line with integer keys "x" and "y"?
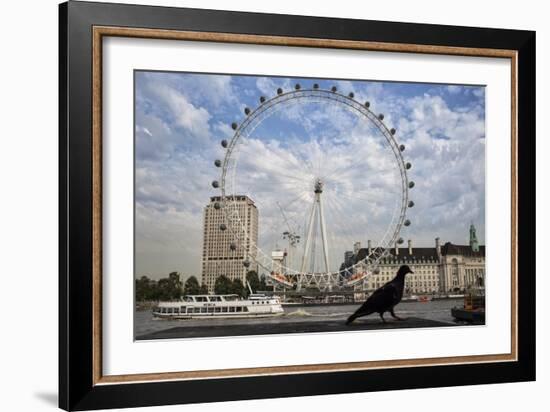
{"x": 438, "y": 310}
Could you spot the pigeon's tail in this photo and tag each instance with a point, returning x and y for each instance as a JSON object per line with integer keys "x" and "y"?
{"x": 359, "y": 313}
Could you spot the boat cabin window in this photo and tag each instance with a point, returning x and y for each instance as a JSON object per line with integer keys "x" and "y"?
{"x": 196, "y": 310}
{"x": 203, "y": 310}
{"x": 210, "y": 309}
{"x": 182, "y": 309}
{"x": 201, "y": 298}
{"x": 245, "y": 309}
{"x": 232, "y": 309}
{"x": 239, "y": 308}
{"x": 215, "y": 298}
{"x": 217, "y": 310}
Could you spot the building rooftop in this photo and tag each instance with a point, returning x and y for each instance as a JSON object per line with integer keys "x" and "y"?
{"x": 464, "y": 250}
{"x": 231, "y": 197}
{"x": 425, "y": 253}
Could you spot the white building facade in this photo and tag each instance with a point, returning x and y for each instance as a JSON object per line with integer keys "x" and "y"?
{"x": 444, "y": 269}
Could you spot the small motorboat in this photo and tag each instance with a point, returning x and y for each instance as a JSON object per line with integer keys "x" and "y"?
{"x": 473, "y": 310}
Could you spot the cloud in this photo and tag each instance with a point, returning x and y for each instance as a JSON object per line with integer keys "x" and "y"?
{"x": 269, "y": 85}
{"x": 454, "y": 89}
{"x": 183, "y": 113}
{"x": 479, "y": 92}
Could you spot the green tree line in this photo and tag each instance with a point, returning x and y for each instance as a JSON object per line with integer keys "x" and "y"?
{"x": 172, "y": 288}
{"x": 168, "y": 288}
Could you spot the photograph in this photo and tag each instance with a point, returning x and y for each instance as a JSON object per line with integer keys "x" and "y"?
{"x": 280, "y": 205}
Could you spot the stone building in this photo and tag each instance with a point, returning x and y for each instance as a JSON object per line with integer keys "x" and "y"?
{"x": 462, "y": 266}
{"x": 447, "y": 268}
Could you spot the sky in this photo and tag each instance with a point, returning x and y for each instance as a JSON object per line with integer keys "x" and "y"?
{"x": 180, "y": 119}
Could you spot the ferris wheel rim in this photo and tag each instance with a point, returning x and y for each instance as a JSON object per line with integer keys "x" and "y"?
{"x": 371, "y": 260}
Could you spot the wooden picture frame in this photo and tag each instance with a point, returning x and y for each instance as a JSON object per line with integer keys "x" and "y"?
{"x": 83, "y": 26}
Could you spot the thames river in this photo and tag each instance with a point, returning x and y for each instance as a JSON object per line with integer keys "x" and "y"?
{"x": 434, "y": 313}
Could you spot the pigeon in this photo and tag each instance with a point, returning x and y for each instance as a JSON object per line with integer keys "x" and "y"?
{"x": 385, "y": 298}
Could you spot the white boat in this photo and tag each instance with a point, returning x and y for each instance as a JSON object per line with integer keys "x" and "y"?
{"x": 219, "y": 306}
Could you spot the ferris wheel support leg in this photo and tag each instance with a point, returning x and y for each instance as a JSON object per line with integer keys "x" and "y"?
{"x": 308, "y": 239}
{"x": 323, "y": 234}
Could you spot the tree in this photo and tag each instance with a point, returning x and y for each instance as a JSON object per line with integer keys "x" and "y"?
{"x": 253, "y": 279}
{"x": 192, "y": 286}
{"x": 203, "y": 289}
{"x": 146, "y": 289}
{"x": 238, "y": 288}
{"x": 223, "y": 285}
{"x": 169, "y": 288}
{"x": 164, "y": 289}
{"x": 175, "y": 280}
{"x": 263, "y": 285}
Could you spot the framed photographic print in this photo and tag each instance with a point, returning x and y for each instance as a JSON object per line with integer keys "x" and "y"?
{"x": 257, "y": 205}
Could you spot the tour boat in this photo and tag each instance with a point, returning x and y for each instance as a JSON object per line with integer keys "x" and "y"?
{"x": 219, "y": 306}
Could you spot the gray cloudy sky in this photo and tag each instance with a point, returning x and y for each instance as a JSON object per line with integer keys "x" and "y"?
{"x": 181, "y": 118}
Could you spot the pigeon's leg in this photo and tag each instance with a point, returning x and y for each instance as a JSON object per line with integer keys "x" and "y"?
{"x": 393, "y": 315}
{"x": 382, "y": 317}
{"x": 351, "y": 319}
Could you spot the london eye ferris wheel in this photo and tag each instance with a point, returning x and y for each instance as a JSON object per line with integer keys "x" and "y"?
{"x": 325, "y": 173}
